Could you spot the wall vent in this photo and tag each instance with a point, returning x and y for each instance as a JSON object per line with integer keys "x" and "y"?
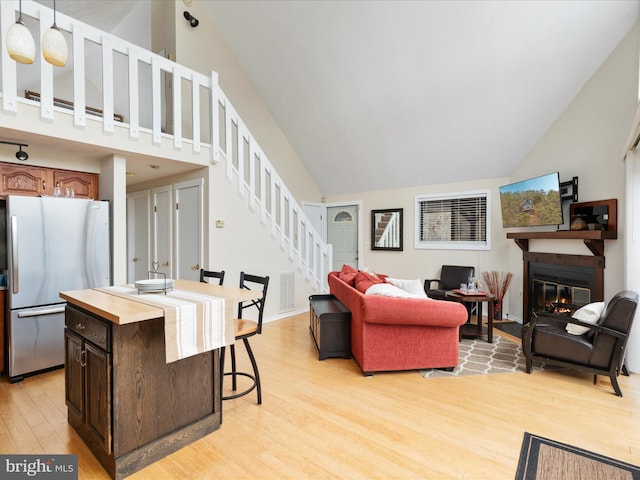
{"x": 287, "y": 291}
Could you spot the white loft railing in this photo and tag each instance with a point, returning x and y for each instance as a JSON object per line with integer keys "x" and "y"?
{"x": 130, "y": 84}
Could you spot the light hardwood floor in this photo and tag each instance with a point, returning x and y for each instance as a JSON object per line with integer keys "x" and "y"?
{"x": 325, "y": 420}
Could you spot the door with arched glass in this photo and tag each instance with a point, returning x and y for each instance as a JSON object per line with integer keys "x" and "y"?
{"x": 342, "y": 233}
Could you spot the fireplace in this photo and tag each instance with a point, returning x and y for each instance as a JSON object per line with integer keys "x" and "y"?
{"x": 553, "y": 284}
{"x": 560, "y": 277}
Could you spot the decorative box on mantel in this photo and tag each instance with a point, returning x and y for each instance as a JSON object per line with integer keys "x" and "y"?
{"x": 600, "y": 219}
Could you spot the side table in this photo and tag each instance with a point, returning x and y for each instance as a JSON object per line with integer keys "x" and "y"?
{"x": 330, "y": 326}
{"x": 474, "y": 331}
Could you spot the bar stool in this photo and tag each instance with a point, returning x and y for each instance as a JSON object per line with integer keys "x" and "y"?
{"x": 204, "y": 274}
{"x": 244, "y": 329}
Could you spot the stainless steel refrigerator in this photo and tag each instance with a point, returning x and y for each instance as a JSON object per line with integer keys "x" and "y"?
{"x": 54, "y": 244}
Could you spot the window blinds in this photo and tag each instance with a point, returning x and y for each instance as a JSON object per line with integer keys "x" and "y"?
{"x": 461, "y": 219}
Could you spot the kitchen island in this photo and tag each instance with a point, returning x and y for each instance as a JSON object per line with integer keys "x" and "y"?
{"x": 129, "y": 406}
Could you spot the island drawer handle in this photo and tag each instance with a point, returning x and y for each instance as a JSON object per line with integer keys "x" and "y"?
{"x": 80, "y": 326}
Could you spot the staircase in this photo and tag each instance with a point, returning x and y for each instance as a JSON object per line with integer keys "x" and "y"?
{"x": 205, "y": 129}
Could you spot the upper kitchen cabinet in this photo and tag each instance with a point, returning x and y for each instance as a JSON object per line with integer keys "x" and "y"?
{"x": 22, "y": 180}
{"x": 84, "y": 185}
{"x": 34, "y": 181}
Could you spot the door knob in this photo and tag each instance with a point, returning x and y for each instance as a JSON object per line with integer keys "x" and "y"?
{"x": 135, "y": 259}
{"x": 165, "y": 264}
{"x": 196, "y": 267}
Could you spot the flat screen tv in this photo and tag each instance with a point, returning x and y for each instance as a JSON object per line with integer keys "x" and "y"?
{"x": 532, "y": 202}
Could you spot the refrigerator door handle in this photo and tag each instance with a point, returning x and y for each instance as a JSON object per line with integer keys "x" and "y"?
{"x": 41, "y": 311}
{"x": 14, "y": 253}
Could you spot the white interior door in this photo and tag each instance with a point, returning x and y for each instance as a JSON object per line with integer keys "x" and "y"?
{"x": 315, "y": 214}
{"x": 138, "y": 254}
{"x": 189, "y": 229}
{"x": 163, "y": 229}
{"x": 342, "y": 233}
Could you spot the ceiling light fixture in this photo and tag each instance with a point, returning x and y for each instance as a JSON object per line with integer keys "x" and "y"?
{"x": 20, "y": 154}
{"x": 20, "y": 43}
{"x": 193, "y": 21}
{"x": 54, "y": 46}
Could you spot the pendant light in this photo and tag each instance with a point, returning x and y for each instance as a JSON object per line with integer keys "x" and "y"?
{"x": 54, "y": 46}
{"x": 20, "y": 43}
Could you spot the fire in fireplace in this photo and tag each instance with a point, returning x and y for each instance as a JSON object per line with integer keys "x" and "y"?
{"x": 547, "y": 296}
{"x": 553, "y": 284}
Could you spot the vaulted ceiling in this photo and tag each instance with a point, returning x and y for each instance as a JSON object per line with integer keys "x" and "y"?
{"x": 389, "y": 94}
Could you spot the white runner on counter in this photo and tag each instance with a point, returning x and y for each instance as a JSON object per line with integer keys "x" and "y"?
{"x": 193, "y": 323}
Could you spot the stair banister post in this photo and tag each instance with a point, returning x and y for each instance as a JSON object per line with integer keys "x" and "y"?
{"x": 195, "y": 112}
{"x": 156, "y": 92}
{"x": 46, "y": 72}
{"x": 134, "y": 100}
{"x": 107, "y": 83}
{"x": 214, "y": 121}
{"x": 176, "y": 79}
{"x": 79, "y": 74}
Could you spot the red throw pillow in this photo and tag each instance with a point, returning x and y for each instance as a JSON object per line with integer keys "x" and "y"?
{"x": 348, "y": 275}
{"x": 364, "y": 280}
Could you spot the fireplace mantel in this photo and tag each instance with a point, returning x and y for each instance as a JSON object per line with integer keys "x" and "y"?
{"x": 593, "y": 239}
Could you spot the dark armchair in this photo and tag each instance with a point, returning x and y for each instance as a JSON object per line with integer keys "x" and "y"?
{"x": 599, "y": 351}
{"x": 451, "y": 276}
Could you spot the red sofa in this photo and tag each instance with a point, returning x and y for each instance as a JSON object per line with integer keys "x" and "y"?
{"x": 390, "y": 333}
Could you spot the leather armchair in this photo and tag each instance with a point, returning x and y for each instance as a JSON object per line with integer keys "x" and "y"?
{"x": 599, "y": 351}
{"x": 451, "y": 276}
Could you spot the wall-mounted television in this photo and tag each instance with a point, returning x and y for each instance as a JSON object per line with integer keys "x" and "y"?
{"x": 532, "y": 202}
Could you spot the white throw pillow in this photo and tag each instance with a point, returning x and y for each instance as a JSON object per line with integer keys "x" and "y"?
{"x": 416, "y": 287}
{"x": 589, "y": 314}
{"x": 390, "y": 290}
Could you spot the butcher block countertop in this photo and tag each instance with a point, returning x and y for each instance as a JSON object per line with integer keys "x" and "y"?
{"x": 110, "y": 307}
{"x": 122, "y": 311}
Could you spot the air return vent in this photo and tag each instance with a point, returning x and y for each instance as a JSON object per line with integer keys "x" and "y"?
{"x": 287, "y": 291}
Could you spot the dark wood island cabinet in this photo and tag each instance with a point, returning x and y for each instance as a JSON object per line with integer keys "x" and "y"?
{"x": 128, "y": 404}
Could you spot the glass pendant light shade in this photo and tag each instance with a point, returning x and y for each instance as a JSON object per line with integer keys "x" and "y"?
{"x": 54, "y": 47}
{"x": 20, "y": 43}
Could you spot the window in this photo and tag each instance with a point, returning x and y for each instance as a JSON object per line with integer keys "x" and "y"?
{"x": 456, "y": 221}
{"x": 343, "y": 216}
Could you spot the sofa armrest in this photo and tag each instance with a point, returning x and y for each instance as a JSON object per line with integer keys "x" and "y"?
{"x": 413, "y": 311}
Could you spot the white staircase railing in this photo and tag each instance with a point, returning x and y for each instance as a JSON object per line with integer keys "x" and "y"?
{"x": 203, "y": 117}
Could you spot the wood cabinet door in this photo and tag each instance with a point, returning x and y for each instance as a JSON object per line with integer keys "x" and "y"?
{"x": 73, "y": 373}
{"x": 22, "y": 180}
{"x": 98, "y": 394}
{"x": 84, "y": 185}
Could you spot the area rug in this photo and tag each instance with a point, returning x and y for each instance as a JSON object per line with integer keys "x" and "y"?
{"x": 544, "y": 459}
{"x": 478, "y": 357}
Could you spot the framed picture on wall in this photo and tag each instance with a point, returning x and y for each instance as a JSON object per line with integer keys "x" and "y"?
{"x": 386, "y": 229}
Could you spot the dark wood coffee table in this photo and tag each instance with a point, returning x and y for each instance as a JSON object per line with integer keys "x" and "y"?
{"x": 468, "y": 330}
